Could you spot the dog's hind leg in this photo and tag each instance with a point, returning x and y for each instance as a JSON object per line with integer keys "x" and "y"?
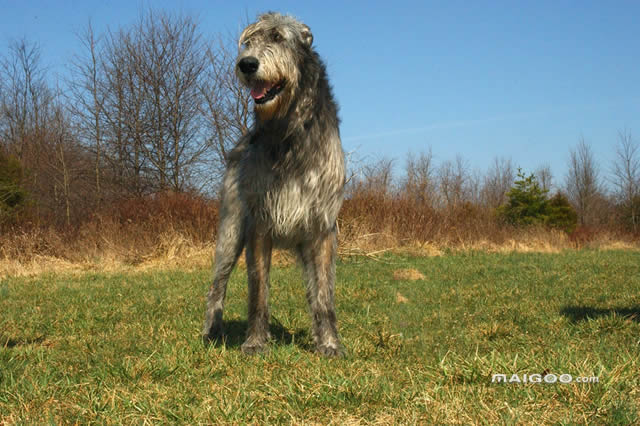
{"x": 318, "y": 261}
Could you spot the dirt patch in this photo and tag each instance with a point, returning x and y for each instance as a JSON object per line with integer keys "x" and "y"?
{"x": 401, "y": 299}
{"x": 408, "y": 274}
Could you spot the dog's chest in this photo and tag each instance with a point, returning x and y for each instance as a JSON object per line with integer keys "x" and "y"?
{"x": 285, "y": 203}
{"x": 292, "y": 199}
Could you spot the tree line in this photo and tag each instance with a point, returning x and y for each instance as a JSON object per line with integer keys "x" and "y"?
{"x": 597, "y": 195}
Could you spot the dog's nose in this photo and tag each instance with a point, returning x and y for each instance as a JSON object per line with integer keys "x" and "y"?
{"x": 248, "y": 65}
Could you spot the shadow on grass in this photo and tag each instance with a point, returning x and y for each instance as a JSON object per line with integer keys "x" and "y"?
{"x": 581, "y": 313}
{"x": 235, "y": 332}
{"x": 9, "y": 342}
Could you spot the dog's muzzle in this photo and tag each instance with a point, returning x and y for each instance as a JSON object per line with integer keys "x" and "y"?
{"x": 261, "y": 91}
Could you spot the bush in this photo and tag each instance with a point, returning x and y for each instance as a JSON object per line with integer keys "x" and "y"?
{"x": 561, "y": 214}
{"x": 12, "y": 196}
{"x": 528, "y": 205}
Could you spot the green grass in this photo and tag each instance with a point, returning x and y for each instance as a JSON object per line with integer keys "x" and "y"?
{"x": 125, "y": 348}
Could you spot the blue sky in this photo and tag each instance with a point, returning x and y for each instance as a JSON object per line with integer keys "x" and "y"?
{"x": 524, "y": 80}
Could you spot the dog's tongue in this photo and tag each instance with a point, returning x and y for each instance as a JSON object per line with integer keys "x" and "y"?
{"x": 260, "y": 90}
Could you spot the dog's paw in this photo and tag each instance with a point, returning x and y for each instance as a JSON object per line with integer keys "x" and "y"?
{"x": 213, "y": 336}
{"x": 253, "y": 348}
{"x": 331, "y": 350}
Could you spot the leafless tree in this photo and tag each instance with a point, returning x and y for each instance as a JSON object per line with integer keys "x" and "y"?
{"x": 497, "y": 182}
{"x": 25, "y": 108}
{"x": 420, "y": 184}
{"x": 125, "y": 114}
{"x": 374, "y": 178}
{"x": 60, "y": 170}
{"x": 626, "y": 176}
{"x": 148, "y": 107}
{"x": 545, "y": 177}
{"x": 139, "y": 96}
{"x": 168, "y": 59}
{"x": 25, "y": 96}
{"x": 453, "y": 181}
{"x": 474, "y": 187}
{"x": 87, "y": 100}
{"x": 36, "y": 129}
{"x": 582, "y": 182}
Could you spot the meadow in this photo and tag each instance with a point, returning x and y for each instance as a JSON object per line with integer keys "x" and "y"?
{"x": 424, "y": 335}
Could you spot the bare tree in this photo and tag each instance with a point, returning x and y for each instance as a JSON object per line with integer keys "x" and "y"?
{"x": 60, "y": 163}
{"x": 170, "y": 60}
{"x": 374, "y": 178}
{"x": 139, "y": 98}
{"x": 420, "y": 184}
{"x": 124, "y": 108}
{"x": 454, "y": 179}
{"x": 474, "y": 187}
{"x": 25, "y": 96}
{"x": 25, "y": 111}
{"x": 36, "y": 129}
{"x": 497, "y": 182}
{"x": 87, "y": 99}
{"x": 149, "y": 107}
{"x": 545, "y": 177}
{"x": 582, "y": 182}
{"x": 626, "y": 177}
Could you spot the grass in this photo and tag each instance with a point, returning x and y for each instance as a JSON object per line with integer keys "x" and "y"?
{"x": 125, "y": 347}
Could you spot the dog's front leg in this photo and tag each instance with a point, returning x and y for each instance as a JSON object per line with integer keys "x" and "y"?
{"x": 258, "y": 253}
{"x": 230, "y": 241}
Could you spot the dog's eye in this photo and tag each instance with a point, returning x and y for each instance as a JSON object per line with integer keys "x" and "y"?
{"x": 276, "y": 37}
{"x": 246, "y": 44}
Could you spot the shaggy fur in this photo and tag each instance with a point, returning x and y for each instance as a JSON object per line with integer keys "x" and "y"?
{"x": 284, "y": 182}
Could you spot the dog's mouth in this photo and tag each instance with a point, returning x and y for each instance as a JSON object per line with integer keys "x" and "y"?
{"x": 263, "y": 91}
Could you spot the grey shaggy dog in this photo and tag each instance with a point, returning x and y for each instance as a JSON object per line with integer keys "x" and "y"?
{"x": 284, "y": 183}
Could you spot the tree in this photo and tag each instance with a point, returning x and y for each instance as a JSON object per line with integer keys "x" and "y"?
{"x": 497, "y": 182}
{"x": 377, "y": 177}
{"x": 25, "y": 97}
{"x": 582, "y": 182}
{"x": 626, "y": 178}
{"x": 544, "y": 176}
{"x": 420, "y": 183}
{"x": 140, "y": 104}
{"x": 87, "y": 99}
{"x": 526, "y": 202}
{"x": 36, "y": 130}
{"x": 25, "y": 103}
{"x": 560, "y": 213}
{"x": 454, "y": 179}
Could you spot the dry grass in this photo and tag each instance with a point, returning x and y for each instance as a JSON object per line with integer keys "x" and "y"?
{"x": 177, "y": 231}
{"x": 34, "y": 253}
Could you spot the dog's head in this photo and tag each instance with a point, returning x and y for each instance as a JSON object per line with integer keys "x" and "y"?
{"x": 270, "y": 54}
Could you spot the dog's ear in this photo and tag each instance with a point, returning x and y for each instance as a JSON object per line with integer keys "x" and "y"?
{"x": 306, "y": 36}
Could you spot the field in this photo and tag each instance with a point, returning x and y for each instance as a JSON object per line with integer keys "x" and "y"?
{"x": 424, "y": 335}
